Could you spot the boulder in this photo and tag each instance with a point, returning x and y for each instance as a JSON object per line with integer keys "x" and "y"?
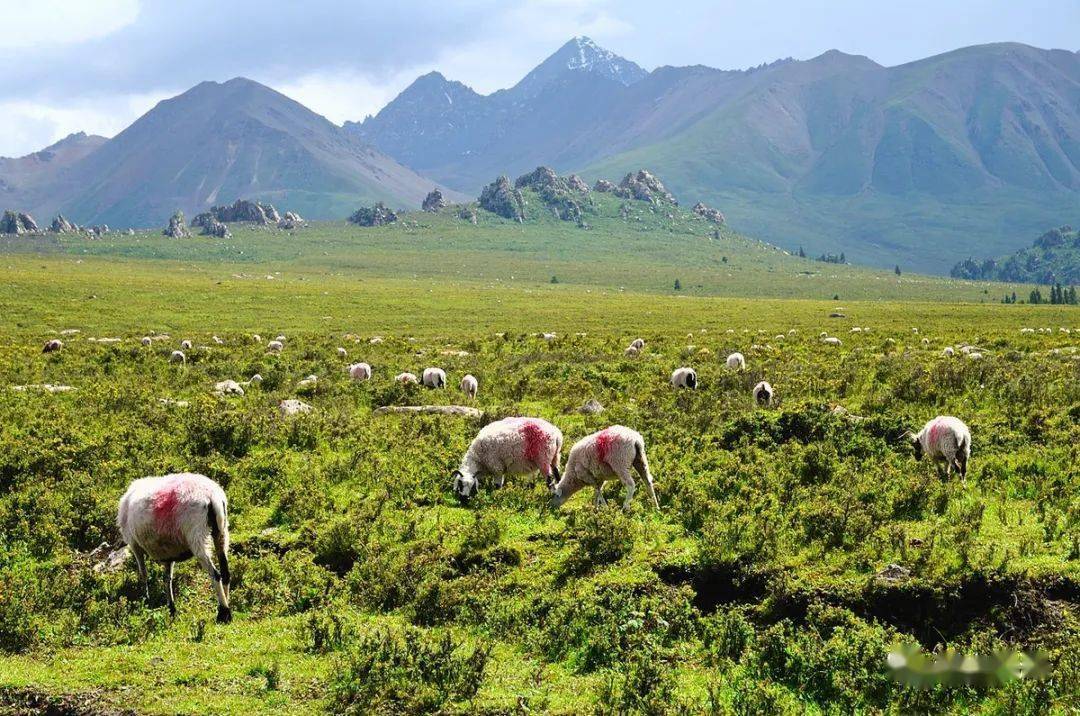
{"x": 241, "y": 210}
{"x": 293, "y": 407}
{"x": 540, "y": 178}
{"x": 577, "y": 183}
{"x": 18, "y": 222}
{"x": 377, "y": 215}
{"x": 592, "y": 407}
{"x": 604, "y": 186}
{"x": 290, "y": 221}
{"x": 644, "y": 186}
{"x": 433, "y": 201}
{"x": 60, "y": 225}
{"x": 213, "y": 227}
{"x": 468, "y": 213}
{"x": 708, "y": 213}
{"x": 177, "y": 229}
{"x": 499, "y": 197}
{"x": 555, "y": 191}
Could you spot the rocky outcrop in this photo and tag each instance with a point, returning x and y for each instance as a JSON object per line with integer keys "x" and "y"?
{"x": 241, "y": 210}
{"x": 433, "y": 201}
{"x": 557, "y": 193}
{"x": 377, "y": 215}
{"x": 60, "y": 225}
{"x": 215, "y": 228}
{"x": 708, "y": 213}
{"x": 468, "y": 213}
{"x": 290, "y": 221}
{"x": 539, "y": 179}
{"x": 644, "y": 186}
{"x": 499, "y": 197}
{"x": 604, "y": 186}
{"x": 577, "y": 183}
{"x": 177, "y": 229}
{"x": 18, "y": 222}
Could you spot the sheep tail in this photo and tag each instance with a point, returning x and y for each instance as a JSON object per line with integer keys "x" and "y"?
{"x": 641, "y": 463}
{"x": 218, "y": 519}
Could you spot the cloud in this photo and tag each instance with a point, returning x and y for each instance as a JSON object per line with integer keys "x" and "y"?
{"x": 63, "y": 22}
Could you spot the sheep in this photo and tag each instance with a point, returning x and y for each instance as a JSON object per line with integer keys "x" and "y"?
{"x": 736, "y": 361}
{"x": 684, "y": 378}
{"x": 944, "y": 438}
{"x": 177, "y": 357}
{"x": 605, "y": 454}
{"x": 948, "y": 352}
{"x": 548, "y": 336}
{"x": 763, "y": 393}
{"x": 831, "y": 341}
{"x": 147, "y": 341}
{"x": 51, "y": 346}
{"x": 434, "y": 378}
{"x": 376, "y": 340}
{"x": 469, "y": 386}
{"x": 406, "y": 378}
{"x": 1027, "y": 330}
{"x": 218, "y": 341}
{"x": 926, "y": 341}
{"x": 342, "y": 353}
{"x": 185, "y": 345}
{"x": 171, "y": 518}
{"x": 256, "y": 338}
{"x": 253, "y": 380}
{"x": 280, "y": 339}
{"x": 638, "y": 343}
{"x": 360, "y": 372}
{"x": 275, "y": 346}
{"x": 511, "y": 446}
{"x": 974, "y": 355}
{"x": 631, "y": 351}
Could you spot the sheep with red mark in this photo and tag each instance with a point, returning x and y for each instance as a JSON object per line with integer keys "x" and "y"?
{"x": 944, "y": 439}
{"x": 684, "y": 378}
{"x": 175, "y": 517}
{"x": 763, "y": 393}
{"x": 511, "y": 446}
{"x": 52, "y": 346}
{"x": 596, "y": 458}
{"x": 360, "y": 372}
{"x": 434, "y": 378}
{"x": 469, "y": 386}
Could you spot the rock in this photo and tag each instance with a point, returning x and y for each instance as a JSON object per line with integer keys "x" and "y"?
{"x": 433, "y": 201}
{"x": 468, "y": 213}
{"x": 100, "y": 230}
{"x": 170, "y": 403}
{"x": 293, "y": 407}
{"x": 644, "y": 186}
{"x": 577, "y": 183}
{"x": 592, "y": 407}
{"x": 462, "y": 410}
{"x": 60, "y": 225}
{"x": 177, "y": 229}
{"x": 835, "y": 314}
{"x": 540, "y": 178}
{"x": 228, "y": 387}
{"x": 604, "y": 186}
{"x": 241, "y": 210}
{"x": 893, "y": 573}
{"x": 708, "y": 213}
{"x": 18, "y": 222}
{"x": 131, "y": 232}
{"x": 290, "y": 221}
{"x": 555, "y": 191}
{"x": 377, "y": 215}
{"x": 502, "y": 199}
{"x": 113, "y": 562}
{"x": 43, "y": 388}
{"x": 213, "y": 227}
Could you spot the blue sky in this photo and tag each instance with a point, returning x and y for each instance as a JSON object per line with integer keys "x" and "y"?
{"x": 96, "y": 65}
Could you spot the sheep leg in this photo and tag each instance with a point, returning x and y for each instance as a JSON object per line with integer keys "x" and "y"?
{"x": 140, "y": 563}
{"x": 170, "y": 600}
{"x": 498, "y": 481}
{"x": 599, "y": 500}
{"x": 224, "y": 614}
{"x": 627, "y": 480}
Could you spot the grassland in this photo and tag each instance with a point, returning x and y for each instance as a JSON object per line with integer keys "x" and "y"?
{"x": 361, "y": 585}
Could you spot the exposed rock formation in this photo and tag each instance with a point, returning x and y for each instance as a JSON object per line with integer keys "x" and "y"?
{"x": 213, "y": 227}
{"x": 177, "y": 229}
{"x": 709, "y": 213}
{"x": 500, "y": 198}
{"x": 577, "y": 183}
{"x": 433, "y": 201}
{"x": 468, "y": 213}
{"x": 604, "y": 186}
{"x": 290, "y": 221}
{"x": 377, "y": 215}
{"x": 18, "y": 222}
{"x": 241, "y": 210}
{"x": 645, "y": 186}
{"x": 60, "y": 225}
{"x": 540, "y": 178}
{"x": 556, "y": 192}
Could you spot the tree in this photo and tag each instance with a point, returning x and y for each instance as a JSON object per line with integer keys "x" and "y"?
{"x": 678, "y": 285}
{"x": 897, "y": 270}
{"x": 554, "y": 279}
{"x": 842, "y": 259}
{"x": 802, "y": 254}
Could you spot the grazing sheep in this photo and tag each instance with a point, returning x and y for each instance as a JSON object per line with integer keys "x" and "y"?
{"x": 638, "y": 343}
{"x": 172, "y": 518}
{"x": 218, "y": 341}
{"x": 946, "y": 439}
{"x": 831, "y": 341}
{"x": 736, "y": 361}
{"x": 257, "y": 338}
{"x": 684, "y": 378}
{"x": 1027, "y": 330}
{"x": 598, "y": 457}
{"x": 511, "y": 446}
{"x": 177, "y": 357}
{"x": 185, "y": 345}
{"x": 434, "y": 378}
{"x": 631, "y": 351}
{"x": 253, "y": 380}
{"x": 974, "y": 355}
{"x": 275, "y": 346}
{"x": 147, "y": 341}
{"x": 51, "y": 346}
{"x": 469, "y": 386}
{"x": 948, "y": 351}
{"x": 548, "y": 336}
{"x": 280, "y": 338}
{"x": 342, "y": 353}
{"x": 763, "y": 393}
{"x": 360, "y": 371}
{"x": 406, "y": 378}
{"x": 926, "y": 341}
{"x": 375, "y": 340}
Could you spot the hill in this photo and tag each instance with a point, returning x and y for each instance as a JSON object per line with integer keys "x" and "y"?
{"x": 918, "y": 163}
{"x": 20, "y": 175}
{"x": 1053, "y": 258}
{"x": 217, "y": 142}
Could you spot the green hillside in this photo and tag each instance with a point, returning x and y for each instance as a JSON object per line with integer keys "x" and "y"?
{"x": 1053, "y": 258}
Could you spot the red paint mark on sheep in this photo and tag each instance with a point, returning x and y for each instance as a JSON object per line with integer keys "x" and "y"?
{"x": 603, "y": 445}
{"x": 935, "y": 428}
{"x": 537, "y": 442}
{"x": 166, "y": 503}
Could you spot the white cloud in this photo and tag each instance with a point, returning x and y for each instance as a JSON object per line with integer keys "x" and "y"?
{"x": 346, "y": 95}
{"x": 62, "y": 22}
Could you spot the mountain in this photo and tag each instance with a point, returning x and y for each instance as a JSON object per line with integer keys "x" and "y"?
{"x": 218, "y": 142}
{"x": 19, "y": 176}
{"x": 918, "y": 164}
{"x": 1053, "y": 258}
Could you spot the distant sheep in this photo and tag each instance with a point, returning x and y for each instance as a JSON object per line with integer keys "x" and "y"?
{"x": 548, "y": 336}
{"x": 218, "y": 341}
{"x": 596, "y": 458}
{"x": 185, "y": 345}
{"x": 638, "y": 343}
{"x": 280, "y": 338}
{"x": 1027, "y": 330}
{"x": 275, "y": 346}
{"x": 360, "y": 372}
{"x": 177, "y": 357}
{"x": 52, "y": 346}
{"x": 511, "y": 446}
{"x": 434, "y": 378}
{"x": 172, "y": 518}
{"x": 256, "y": 338}
{"x": 631, "y": 352}
{"x": 736, "y": 361}
{"x": 763, "y": 393}
{"x": 831, "y": 341}
{"x": 684, "y": 378}
{"x": 469, "y": 386}
{"x": 944, "y": 439}
{"x": 974, "y": 355}
{"x": 147, "y": 341}
{"x": 406, "y": 378}
{"x": 948, "y": 351}
{"x": 342, "y": 353}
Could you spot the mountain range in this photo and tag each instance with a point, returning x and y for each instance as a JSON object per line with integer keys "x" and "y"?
{"x": 922, "y": 164}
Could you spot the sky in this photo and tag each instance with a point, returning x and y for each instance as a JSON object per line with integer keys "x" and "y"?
{"x": 97, "y": 65}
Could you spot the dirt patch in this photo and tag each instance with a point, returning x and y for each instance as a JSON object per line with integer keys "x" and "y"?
{"x": 32, "y": 702}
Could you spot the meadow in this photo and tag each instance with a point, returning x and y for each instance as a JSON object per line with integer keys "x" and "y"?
{"x": 794, "y": 546}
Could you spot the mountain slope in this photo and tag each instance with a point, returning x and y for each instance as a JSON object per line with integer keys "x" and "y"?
{"x": 218, "y": 142}
{"x": 1052, "y": 258}
{"x": 19, "y": 176}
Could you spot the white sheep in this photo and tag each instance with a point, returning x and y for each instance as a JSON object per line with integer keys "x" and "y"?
{"x": 638, "y": 343}
{"x": 360, "y": 371}
{"x": 51, "y": 346}
{"x": 736, "y": 361}
{"x": 511, "y": 446}
{"x": 548, "y": 336}
{"x": 147, "y": 341}
{"x": 974, "y": 355}
{"x": 831, "y": 341}
{"x": 948, "y": 352}
{"x": 342, "y": 353}
{"x": 172, "y": 518}
{"x": 469, "y": 386}
{"x": 185, "y": 345}
{"x": 406, "y": 378}
{"x": 275, "y": 346}
{"x": 256, "y": 338}
{"x": 177, "y": 357}
{"x": 631, "y": 351}
{"x": 434, "y": 378}
{"x": 218, "y": 341}
{"x": 763, "y": 393}
{"x": 253, "y": 380}
{"x": 944, "y": 439}
{"x": 684, "y": 378}
{"x": 596, "y": 458}
{"x": 1027, "y": 330}
{"x": 280, "y": 338}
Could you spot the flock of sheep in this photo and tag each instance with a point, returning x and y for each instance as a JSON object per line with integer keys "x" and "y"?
{"x": 176, "y": 517}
